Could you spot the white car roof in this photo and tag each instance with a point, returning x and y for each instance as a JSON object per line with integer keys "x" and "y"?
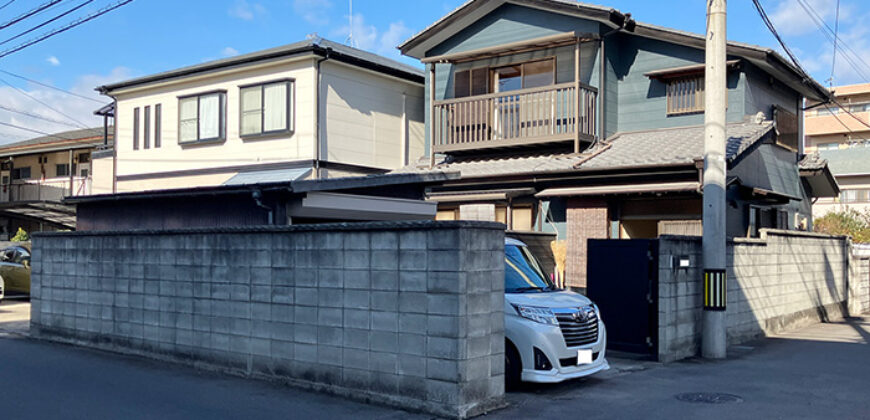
{"x": 513, "y": 242}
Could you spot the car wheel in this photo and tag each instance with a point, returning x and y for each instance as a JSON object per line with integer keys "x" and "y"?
{"x": 513, "y": 367}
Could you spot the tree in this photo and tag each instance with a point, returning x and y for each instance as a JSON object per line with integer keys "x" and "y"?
{"x": 21, "y": 236}
{"x": 848, "y": 222}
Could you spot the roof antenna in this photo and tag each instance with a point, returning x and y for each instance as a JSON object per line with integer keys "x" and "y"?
{"x": 349, "y": 41}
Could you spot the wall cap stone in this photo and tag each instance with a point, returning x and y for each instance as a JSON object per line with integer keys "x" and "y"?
{"x": 332, "y": 227}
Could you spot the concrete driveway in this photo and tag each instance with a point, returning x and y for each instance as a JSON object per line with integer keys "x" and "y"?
{"x": 818, "y": 372}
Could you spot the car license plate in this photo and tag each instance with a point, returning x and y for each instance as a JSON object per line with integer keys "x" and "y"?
{"x": 584, "y": 356}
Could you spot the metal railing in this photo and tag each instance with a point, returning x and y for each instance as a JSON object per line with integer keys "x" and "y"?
{"x": 528, "y": 116}
{"x": 52, "y": 189}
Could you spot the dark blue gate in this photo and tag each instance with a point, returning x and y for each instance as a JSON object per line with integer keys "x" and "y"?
{"x": 622, "y": 279}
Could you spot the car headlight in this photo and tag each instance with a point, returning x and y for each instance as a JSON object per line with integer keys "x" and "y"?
{"x": 542, "y": 315}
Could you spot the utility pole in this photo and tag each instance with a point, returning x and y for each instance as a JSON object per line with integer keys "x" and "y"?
{"x": 713, "y": 339}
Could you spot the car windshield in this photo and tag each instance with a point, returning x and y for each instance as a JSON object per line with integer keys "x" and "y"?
{"x": 522, "y": 273}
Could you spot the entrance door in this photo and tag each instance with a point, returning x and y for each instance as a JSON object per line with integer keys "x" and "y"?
{"x": 622, "y": 279}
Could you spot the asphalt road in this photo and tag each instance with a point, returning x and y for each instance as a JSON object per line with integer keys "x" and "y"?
{"x": 818, "y": 372}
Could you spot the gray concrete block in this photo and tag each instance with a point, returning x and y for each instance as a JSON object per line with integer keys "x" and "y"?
{"x": 385, "y": 321}
{"x": 446, "y": 282}
{"x": 357, "y": 259}
{"x": 384, "y": 362}
{"x": 356, "y": 339}
{"x": 412, "y": 343}
{"x": 331, "y": 317}
{"x": 355, "y": 358}
{"x": 385, "y": 259}
{"x": 412, "y": 281}
{"x": 305, "y": 315}
{"x": 357, "y": 279}
{"x": 354, "y": 318}
{"x": 384, "y": 301}
{"x": 441, "y": 239}
{"x": 356, "y": 299}
{"x": 445, "y": 348}
{"x": 446, "y": 304}
{"x": 331, "y": 278}
{"x": 385, "y": 280}
{"x": 384, "y": 341}
{"x": 330, "y": 297}
{"x": 305, "y": 333}
{"x": 331, "y": 336}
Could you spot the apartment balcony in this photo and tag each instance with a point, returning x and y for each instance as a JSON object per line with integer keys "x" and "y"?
{"x": 552, "y": 114}
{"x": 52, "y": 189}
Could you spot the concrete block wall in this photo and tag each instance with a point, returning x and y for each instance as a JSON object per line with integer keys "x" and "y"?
{"x": 408, "y": 313}
{"x": 780, "y": 281}
{"x": 859, "y": 285}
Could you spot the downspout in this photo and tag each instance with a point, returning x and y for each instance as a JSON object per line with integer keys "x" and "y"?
{"x": 257, "y": 195}
{"x": 602, "y": 133}
{"x": 318, "y": 80}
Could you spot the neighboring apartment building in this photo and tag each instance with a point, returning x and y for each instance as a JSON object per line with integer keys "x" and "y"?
{"x": 228, "y": 142}
{"x": 572, "y": 118}
{"x": 308, "y": 110}
{"x": 844, "y": 142}
{"x": 37, "y": 174}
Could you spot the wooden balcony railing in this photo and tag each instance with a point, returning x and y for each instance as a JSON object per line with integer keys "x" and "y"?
{"x": 522, "y": 117}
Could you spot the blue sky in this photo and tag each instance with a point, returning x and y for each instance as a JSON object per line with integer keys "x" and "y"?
{"x": 149, "y": 36}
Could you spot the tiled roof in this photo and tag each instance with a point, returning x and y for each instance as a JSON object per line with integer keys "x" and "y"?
{"x": 61, "y": 140}
{"x": 812, "y": 162}
{"x": 672, "y": 146}
{"x": 851, "y": 161}
{"x": 474, "y": 168}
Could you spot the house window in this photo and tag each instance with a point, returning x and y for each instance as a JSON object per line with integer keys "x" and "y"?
{"x": 829, "y": 146}
{"x": 84, "y": 157}
{"x": 848, "y": 196}
{"x": 447, "y": 214}
{"x": 471, "y": 82}
{"x": 62, "y": 169}
{"x": 201, "y": 117}
{"x": 266, "y": 108}
{"x": 21, "y": 173}
{"x": 146, "y": 137}
{"x": 158, "y": 124}
{"x": 135, "y": 128}
{"x": 522, "y": 218}
{"x": 686, "y": 95}
{"x": 524, "y": 76}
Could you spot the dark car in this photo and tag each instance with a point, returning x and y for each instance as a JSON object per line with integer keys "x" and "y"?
{"x": 15, "y": 270}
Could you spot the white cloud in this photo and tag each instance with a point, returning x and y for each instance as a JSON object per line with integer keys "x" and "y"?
{"x": 368, "y": 37}
{"x": 53, "y": 61}
{"x": 77, "y": 108}
{"x": 315, "y": 12}
{"x": 241, "y": 9}
{"x": 229, "y": 52}
{"x": 791, "y": 19}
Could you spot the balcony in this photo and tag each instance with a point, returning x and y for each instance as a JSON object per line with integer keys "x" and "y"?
{"x": 52, "y": 189}
{"x": 557, "y": 113}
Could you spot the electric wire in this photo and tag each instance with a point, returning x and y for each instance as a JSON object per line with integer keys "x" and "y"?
{"x": 28, "y": 14}
{"x": 65, "y": 28}
{"x": 6, "y": 4}
{"x": 6, "y": 41}
{"x": 36, "y": 82}
{"x": 37, "y": 116}
{"x": 43, "y": 103}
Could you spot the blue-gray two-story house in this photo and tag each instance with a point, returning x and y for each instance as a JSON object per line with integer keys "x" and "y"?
{"x": 573, "y": 118}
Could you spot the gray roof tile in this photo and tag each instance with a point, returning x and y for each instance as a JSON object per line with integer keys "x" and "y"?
{"x": 672, "y": 146}
{"x": 851, "y": 161}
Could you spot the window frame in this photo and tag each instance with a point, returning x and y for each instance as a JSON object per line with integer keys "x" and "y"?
{"x": 158, "y": 124}
{"x": 493, "y": 80}
{"x": 57, "y": 168}
{"x": 136, "y": 128}
{"x": 700, "y": 95}
{"x": 146, "y": 127}
{"x": 19, "y": 177}
{"x": 470, "y": 71}
{"x": 290, "y": 108}
{"x": 222, "y": 118}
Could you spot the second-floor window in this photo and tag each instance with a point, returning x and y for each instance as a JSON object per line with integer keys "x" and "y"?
{"x": 524, "y": 76}
{"x": 686, "y": 95}
{"x": 266, "y": 108}
{"x": 62, "y": 169}
{"x": 201, "y": 117}
{"x": 21, "y": 173}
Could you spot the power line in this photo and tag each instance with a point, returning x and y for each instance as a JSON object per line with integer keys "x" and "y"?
{"x": 43, "y": 103}
{"x": 62, "y": 29}
{"x": 836, "y": 37}
{"x": 50, "y": 86}
{"x": 794, "y": 59}
{"x": 34, "y": 131}
{"x": 28, "y": 14}
{"x": 7, "y": 3}
{"x": 839, "y": 44}
{"x": 46, "y": 22}
{"x": 37, "y": 116}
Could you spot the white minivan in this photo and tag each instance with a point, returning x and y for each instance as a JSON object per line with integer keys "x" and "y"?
{"x": 551, "y": 335}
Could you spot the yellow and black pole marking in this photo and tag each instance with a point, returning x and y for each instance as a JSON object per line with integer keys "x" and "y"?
{"x": 714, "y": 290}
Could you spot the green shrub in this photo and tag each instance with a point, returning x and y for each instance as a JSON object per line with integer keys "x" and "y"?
{"x": 849, "y": 222}
{"x": 21, "y": 236}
